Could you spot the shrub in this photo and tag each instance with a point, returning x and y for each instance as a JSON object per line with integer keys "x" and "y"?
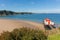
{"x": 23, "y": 34}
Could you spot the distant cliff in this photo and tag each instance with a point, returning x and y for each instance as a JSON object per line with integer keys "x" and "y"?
{"x": 5, "y": 13}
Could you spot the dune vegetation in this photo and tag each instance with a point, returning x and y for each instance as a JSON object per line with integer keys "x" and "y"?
{"x": 55, "y": 36}
{"x": 23, "y": 34}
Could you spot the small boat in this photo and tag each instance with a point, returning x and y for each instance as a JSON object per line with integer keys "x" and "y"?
{"x": 49, "y": 24}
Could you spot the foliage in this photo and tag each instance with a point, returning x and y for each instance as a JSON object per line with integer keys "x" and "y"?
{"x": 54, "y": 37}
{"x": 23, "y": 34}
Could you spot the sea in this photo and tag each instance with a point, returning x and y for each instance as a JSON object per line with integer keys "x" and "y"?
{"x": 36, "y": 17}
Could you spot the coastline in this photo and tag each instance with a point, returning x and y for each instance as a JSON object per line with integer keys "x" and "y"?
{"x": 10, "y": 24}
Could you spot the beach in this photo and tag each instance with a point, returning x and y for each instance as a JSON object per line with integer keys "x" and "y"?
{"x": 10, "y": 25}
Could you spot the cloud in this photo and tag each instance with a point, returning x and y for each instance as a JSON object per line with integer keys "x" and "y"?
{"x": 32, "y": 2}
{"x": 57, "y": 0}
{"x": 2, "y": 5}
{"x": 46, "y": 11}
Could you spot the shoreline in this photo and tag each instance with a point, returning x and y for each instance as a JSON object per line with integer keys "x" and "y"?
{"x": 10, "y": 24}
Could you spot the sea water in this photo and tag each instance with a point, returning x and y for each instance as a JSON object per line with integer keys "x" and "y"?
{"x": 37, "y": 17}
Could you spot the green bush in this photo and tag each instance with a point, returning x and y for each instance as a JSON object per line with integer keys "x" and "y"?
{"x": 23, "y": 34}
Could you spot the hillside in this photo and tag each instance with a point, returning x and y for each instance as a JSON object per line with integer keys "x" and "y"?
{"x": 5, "y": 12}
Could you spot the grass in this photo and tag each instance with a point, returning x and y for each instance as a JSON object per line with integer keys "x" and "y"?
{"x": 54, "y": 37}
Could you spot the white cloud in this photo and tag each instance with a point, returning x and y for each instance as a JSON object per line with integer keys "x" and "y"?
{"x": 57, "y": 0}
{"x": 2, "y": 5}
{"x": 46, "y": 11}
{"x": 32, "y": 2}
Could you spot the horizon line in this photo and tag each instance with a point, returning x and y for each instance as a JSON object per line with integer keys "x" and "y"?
{"x": 31, "y": 11}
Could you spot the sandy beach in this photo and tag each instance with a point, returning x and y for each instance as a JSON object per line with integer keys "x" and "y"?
{"x": 9, "y": 25}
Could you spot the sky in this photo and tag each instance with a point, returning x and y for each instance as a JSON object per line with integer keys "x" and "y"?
{"x": 36, "y": 6}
